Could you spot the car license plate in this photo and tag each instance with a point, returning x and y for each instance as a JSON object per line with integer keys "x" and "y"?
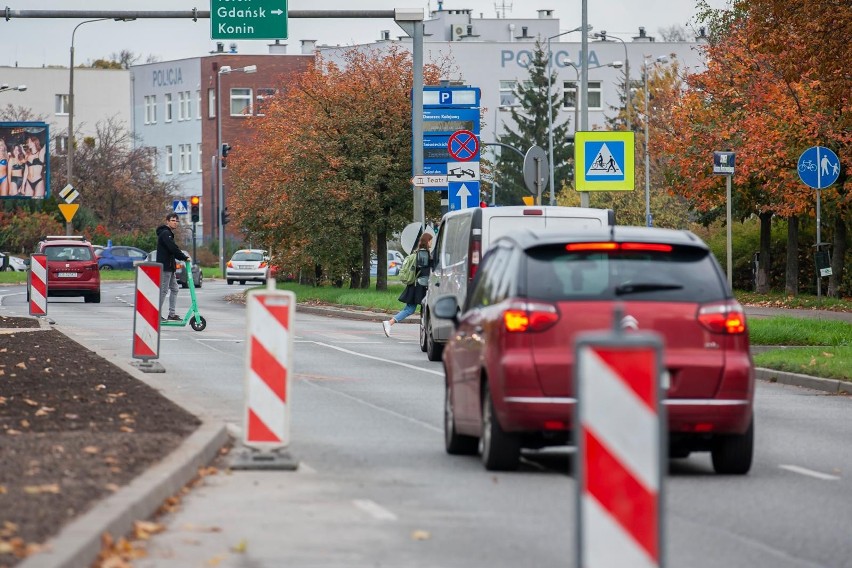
{"x": 246, "y": 267}
{"x": 67, "y": 275}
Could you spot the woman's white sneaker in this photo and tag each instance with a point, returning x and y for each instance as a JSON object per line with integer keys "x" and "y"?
{"x": 386, "y": 328}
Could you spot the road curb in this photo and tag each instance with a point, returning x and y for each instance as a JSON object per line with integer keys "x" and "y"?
{"x": 348, "y": 313}
{"x": 833, "y": 386}
{"x": 79, "y": 542}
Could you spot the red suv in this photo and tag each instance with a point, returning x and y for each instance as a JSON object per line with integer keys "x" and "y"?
{"x": 72, "y": 268}
{"x": 509, "y": 362}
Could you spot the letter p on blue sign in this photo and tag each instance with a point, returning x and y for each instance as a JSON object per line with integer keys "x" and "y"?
{"x": 445, "y": 97}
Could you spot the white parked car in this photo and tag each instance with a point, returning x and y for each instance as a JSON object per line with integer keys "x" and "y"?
{"x": 15, "y": 264}
{"x": 248, "y": 264}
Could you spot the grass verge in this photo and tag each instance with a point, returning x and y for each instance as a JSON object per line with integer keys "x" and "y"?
{"x": 825, "y": 362}
{"x": 367, "y": 299}
{"x": 784, "y": 330}
{"x": 802, "y": 301}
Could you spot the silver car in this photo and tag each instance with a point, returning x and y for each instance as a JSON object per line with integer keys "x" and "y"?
{"x": 248, "y": 264}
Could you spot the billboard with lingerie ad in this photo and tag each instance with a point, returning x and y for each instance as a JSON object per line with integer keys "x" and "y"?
{"x": 24, "y": 160}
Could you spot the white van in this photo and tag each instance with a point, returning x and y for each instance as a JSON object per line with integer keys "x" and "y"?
{"x": 465, "y": 235}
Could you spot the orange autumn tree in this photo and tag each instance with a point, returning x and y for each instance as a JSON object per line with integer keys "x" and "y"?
{"x": 751, "y": 100}
{"x": 327, "y": 178}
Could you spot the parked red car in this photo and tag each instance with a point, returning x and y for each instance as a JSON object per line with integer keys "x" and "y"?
{"x": 72, "y": 268}
{"x": 509, "y": 362}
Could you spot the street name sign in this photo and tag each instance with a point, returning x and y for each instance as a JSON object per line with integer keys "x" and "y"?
{"x": 427, "y": 180}
{"x": 723, "y": 163}
{"x": 248, "y": 19}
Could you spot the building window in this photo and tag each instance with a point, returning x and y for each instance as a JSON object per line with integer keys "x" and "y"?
{"x": 199, "y": 156}
{"x": 170, "y": 160}
{"x": 595, "y": 95}
{"x": 151, "y": 109}
{"x": 61, "y": 144}
{"x": 62, "y": 104}
{"x": 185, "y": 108}
{"x": 181, "y": 106}
{"x": 241, "y": 102}
{"x": 569, "y": 94}
{"x": 263, "y": 98}
{"x": 198, "y": 104}
{"x": 168, "y": 107}
{"x": 508, "y": 96}
{"x": 507, "y": 93}
{"x": 185, "y": 157}
{"x": 211, "y": 103}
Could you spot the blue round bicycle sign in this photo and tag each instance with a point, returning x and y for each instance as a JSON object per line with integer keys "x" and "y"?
{"x": 819, "y": 167}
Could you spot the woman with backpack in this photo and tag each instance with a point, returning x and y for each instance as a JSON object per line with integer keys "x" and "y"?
{"x": 415, "y": 291}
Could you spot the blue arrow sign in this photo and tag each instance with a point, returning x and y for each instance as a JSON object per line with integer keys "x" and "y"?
{"x": 819, "y": 167}
{"x": 463, "y": 195}
{"x": 179, "y": 206}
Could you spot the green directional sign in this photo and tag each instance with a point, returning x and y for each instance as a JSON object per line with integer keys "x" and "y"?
{"x": 248, "y": 19}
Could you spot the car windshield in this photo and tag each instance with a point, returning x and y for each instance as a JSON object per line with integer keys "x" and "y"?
{"x": 248, "y": 256}
{"x": 680, "y": 274}
{"x": 68, "y": 253}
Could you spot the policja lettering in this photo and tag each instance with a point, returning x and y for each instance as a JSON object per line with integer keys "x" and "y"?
{"x": 241, "y": 12}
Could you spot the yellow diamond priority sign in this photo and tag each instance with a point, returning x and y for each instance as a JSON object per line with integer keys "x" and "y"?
{"x": 603, "y": 161}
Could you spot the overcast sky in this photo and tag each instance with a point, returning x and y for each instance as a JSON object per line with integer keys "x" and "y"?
{"x": 34, "y": 42}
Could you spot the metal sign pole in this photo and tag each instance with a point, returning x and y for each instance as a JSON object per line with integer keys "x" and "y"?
{"x": 728, "y": 245}
{"x": 818, "y": 246}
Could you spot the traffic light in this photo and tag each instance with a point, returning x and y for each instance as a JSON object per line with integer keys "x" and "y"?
{"x": 194, "y": 204}
{"x": 226, "y": 148}
{"x": 225, "y": 216}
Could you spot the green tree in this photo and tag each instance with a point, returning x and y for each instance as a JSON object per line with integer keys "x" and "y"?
{"x": 531, "y": 121}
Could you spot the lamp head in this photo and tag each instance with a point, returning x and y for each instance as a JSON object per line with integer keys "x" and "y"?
{"x": 224, "y": 69}
{"x": 250, "y": 69}
{"x": 616, "y": 64}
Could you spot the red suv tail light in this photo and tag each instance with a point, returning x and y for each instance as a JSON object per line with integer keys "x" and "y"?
{"x": 474, "y": 256}
{"x": 726, "y": 317}
{"x": 523, "y": 316}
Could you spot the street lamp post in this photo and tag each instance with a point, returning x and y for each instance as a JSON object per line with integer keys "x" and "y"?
{"x": 223, "y": 70}
{"x": 648, "y": 220}
{"x": 603, "y": 37}
{"x": 550, "y": 105}
{"x": 70, "y": 149}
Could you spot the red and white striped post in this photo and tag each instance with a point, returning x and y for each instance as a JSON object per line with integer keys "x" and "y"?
{"x": 268, "y": 370}
{"x": 146, "y": 313}
{"x": 38, "y": 285}
{"x": 622, "y": 449}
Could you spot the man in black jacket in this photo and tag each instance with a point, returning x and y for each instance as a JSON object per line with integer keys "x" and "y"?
{"x": 167, "y": 252}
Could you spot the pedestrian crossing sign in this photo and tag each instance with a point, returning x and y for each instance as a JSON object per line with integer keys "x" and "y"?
{"x": 179, "y": 206}
{"x": 604, "y": 161}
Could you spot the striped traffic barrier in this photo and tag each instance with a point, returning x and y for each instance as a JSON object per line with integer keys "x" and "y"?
{"x": 146, "y": 316}
{"x": 38, "y": 285}
{"x": 268, "y": 368}
{"x": 621, "y": 450}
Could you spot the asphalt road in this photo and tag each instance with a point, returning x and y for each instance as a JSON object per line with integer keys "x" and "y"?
{"x": 375, "y": 488}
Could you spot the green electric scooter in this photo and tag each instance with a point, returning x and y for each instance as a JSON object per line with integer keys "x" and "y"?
{"x": 192, "y": 317}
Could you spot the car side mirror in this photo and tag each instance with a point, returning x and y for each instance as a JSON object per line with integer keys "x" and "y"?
{"x": 27, "y": 261}
{"x": 447, "y": 308}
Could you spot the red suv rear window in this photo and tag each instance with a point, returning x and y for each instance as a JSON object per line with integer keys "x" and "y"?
{"x": 68, "y": 252}
{"x": 657, "y": 273}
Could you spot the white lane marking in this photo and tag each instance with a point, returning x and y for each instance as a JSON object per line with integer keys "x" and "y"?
{"x": 374, "y": 510}
{"x": 810, "y": 472}
{"x": 382, "y": 359}
{"x": 374, "y": 406}
{"x": 221, "y": 339}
